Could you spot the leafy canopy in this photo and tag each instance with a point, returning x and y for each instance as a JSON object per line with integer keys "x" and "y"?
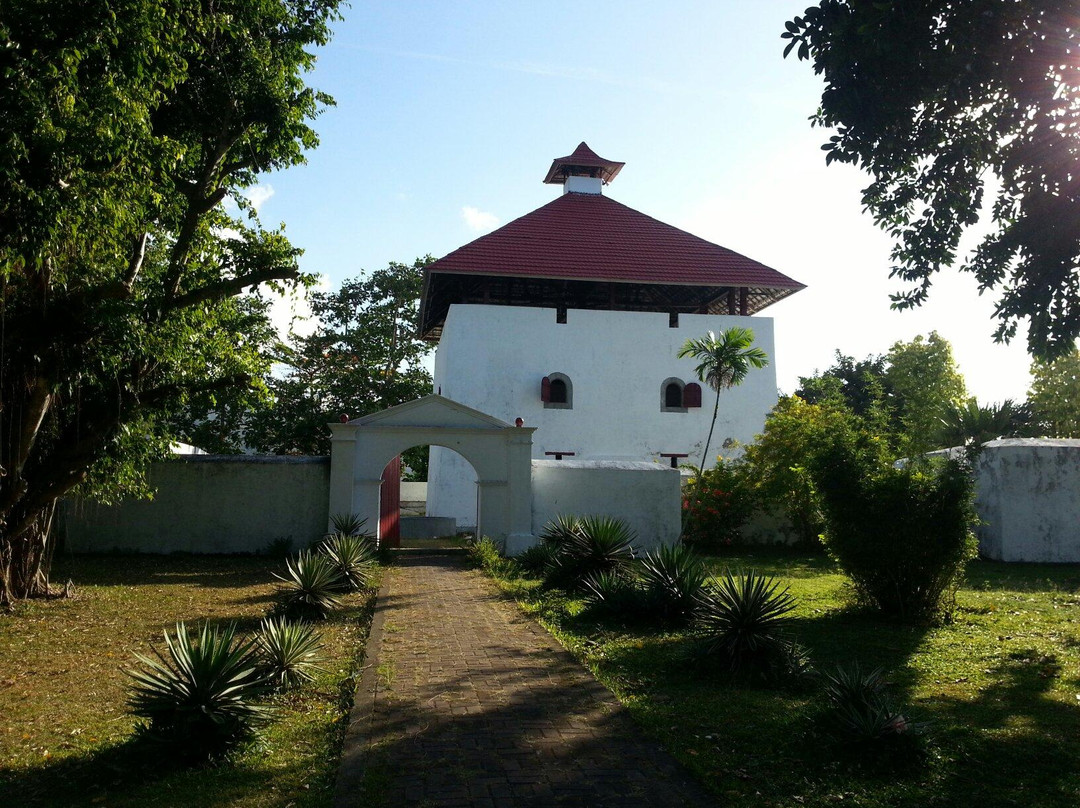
{"x": 951, "y": 105}
{"x": 123, "y": 128}
{"x": 1055, "y": 396}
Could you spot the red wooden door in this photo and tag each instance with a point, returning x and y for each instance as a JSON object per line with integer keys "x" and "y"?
{"x": 390, "y": 504}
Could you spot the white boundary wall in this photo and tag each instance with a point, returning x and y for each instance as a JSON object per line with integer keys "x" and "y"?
{"x": 210, "y": 504}
{"x": 1028, "y": 496}
{"x": 644, "y": 495}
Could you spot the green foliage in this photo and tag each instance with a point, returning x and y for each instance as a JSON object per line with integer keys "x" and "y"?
{"x": 587, "y": 546}
{"x": 364, "y": 356}
{"x": 672, "y": 578}
{"x": 741, "y": 619}
{"x": 1055, "y": 396}
{"x": 778, "y": 461}
{"x": 859, "y": 707}
{"x": 124, "y": 129}
{"x": 900, "y": 396}
{"x": 925, "y": 382}
{"x": 971, "y": 424}
{"x": 288, "y": 653}
{"x": 353, "y": 557}
{"x": 945, "y": 103}
{"x": 200, "y": 700}
{"x": 487, "y": 555}
{"x": 903, "y": 535}
{"x": 717, "y": 504}
{"x": 310, "y": 587}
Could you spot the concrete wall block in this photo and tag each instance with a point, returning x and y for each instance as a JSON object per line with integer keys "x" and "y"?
{"x": 210, "y": 504}
{"x": 644, "y": 495}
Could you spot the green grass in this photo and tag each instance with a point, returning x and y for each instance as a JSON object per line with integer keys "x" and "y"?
{"x": 66, "y": 737}
{"x": 999, "y": 686}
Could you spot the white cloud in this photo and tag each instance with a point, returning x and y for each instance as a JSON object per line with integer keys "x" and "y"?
{"x": 478, "y": 220}
{"x": 258, "y": 195}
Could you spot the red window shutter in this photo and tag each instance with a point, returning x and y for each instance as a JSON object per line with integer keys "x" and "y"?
{"x": 545, "y": 389}
{"x": 692, "y": 395}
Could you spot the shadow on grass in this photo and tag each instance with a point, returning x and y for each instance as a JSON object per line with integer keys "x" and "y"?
{"x": 1027, "y": 751}
{"x": 86, "y": 778}
{"x": 218, "y": 572}
{"x": 1000, "y": 576}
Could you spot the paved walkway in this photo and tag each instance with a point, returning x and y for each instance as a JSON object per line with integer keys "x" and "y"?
{"x": 466, "y": 702}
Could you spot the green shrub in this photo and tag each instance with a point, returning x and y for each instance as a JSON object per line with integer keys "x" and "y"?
{"x": 310, "y": 587}
{"x": 588, "y": 546}
{"x": 200, "y": 699}
{"x": 859, "y": 707}
{"x": 288, "y": 653}
{"x": 741, "y": 618}
{"x": 487, "y": 555}
{"x": 672, "y": 579}
{"x": 353, "y": 556}
{"x": 717, "y": 504}
{"x": 903, "y": 535}
{"x": 777, "y": 463}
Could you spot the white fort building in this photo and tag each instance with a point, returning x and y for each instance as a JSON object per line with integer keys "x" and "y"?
{"x": 571, "y": 317}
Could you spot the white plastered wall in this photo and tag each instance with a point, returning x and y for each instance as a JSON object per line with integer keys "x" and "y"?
{"x": 492, "y": 358}
{"x": 644, "y": 495}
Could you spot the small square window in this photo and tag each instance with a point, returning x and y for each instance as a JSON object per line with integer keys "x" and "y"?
{"x": 673, "y": 319}
{"x": 560, "y": 315}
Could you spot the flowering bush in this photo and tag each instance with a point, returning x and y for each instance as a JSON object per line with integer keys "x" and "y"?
{"x": 716, "y": 508}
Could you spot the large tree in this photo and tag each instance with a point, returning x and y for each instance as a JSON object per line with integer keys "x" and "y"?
{"x": 363, "y": 356}
{"x": 1054, "y": 398}
{"x": 124, "y": 126}
{"x": 901, "y": 396}
{"x": 947, "y": 102}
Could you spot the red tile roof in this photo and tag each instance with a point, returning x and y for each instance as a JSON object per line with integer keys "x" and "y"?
{"x": 583, "y": 157}
{"x": 591, "y": 237}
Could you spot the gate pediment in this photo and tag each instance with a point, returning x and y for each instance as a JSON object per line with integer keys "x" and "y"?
{"x": 433, "y": 412}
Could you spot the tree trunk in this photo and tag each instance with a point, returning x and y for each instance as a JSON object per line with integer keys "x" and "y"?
{"x": 25, "y": 559}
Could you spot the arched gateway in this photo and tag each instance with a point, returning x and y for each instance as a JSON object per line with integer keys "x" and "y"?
{"x": 499, "y": 452}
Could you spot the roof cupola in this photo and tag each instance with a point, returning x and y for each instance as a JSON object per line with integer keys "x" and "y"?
{"x": 583, "y": 172}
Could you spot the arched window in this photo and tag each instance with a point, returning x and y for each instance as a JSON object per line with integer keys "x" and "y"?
{"x": 557, "y": 392}
{"x": 671, "y": 396}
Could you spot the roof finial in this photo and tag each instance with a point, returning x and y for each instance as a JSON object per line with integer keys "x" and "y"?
{"x": 583, "y": 171}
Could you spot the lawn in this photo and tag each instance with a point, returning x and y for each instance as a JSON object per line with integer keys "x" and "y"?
{"x": 999, "y": 686}
{"x": 65, "y": 734}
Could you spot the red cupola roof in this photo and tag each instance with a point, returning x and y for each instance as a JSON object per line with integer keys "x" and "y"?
{"x": 586, "y": 251}
{"x": 584, "y": 162}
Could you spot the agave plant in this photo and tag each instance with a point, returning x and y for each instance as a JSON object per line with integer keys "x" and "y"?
{"x": 597, "y": 544}
{"x": 350, "y": 524}
{"x": 200, "y": 697}
{"x": 540, "y": 559}
{"x": 859, "y": 705}
{"x": 310, "y": 586}
{"x": 742, "y": 619}
{"x": 613, "y": 593}
{"x": 353, "y": 556}
{"x": 288, "y": 653}
{"x": 673, "y": 578}
{"x": 560, "y": 530}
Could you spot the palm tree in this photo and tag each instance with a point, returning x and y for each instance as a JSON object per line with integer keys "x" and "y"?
{"x": 975, "y": 424}
{"x": 724, "y": 361}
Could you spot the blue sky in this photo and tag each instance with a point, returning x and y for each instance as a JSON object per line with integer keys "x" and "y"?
{"x": 449, "y": 114}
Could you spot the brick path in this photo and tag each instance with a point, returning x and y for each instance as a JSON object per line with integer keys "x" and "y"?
{"x": 465, "y": 702}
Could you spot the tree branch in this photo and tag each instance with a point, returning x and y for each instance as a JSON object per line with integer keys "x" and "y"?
{"x": 230, "y": 287}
